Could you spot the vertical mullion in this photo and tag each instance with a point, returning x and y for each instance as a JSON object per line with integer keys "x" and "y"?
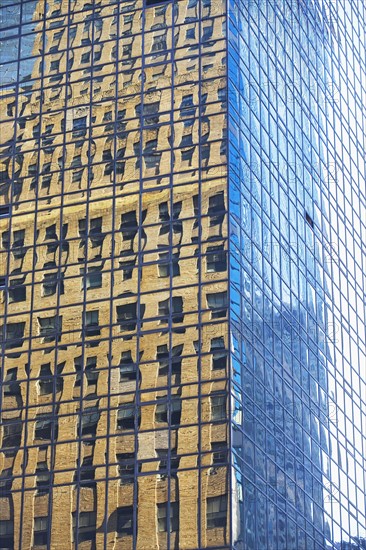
{"x": 170, "y": 258}
{"x": 34, "y": 261}
{"x": 200, "y": 331}
{"x": 111, "y": 296}
{"x": 139, "y": 277}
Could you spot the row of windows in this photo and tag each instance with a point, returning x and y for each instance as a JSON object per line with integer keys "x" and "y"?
{"x": 156, "y": 41}
{"x": 85, "y": 523}
{"x": 127, "y": 317}
{"x": 167, "y": 463}
{"x": 128, "y": 417}
{"x": 167, "y": 359}
{"x": 167, "y": 266}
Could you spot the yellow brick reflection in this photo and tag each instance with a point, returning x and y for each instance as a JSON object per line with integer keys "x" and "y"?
{"x": 115, "y": 258}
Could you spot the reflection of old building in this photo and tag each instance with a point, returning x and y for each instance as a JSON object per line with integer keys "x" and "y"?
{"x": 114, "y": 278}
{"x": 166, "y": 372}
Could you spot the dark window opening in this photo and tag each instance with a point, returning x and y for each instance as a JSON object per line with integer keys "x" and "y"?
{"x": 177, "y": 310}
{"x": 126, "y": 467}
{"x": 127, "y": 269}
{"x": 93, "y": 277}
{"x": 92, "y": 323}
{"x": 155, "y": 2}
{"x": 127, "y": 316}
{"x": 7, "y": 533}
{"x": 162, "y": 412}
{"x": 42, "y": 478}
{"x": 216, "y": 259}
{"x": 125, "y": 521}
{"x": 6, "y": 482}
{"x": 50, "y": 328}
{"x": 14, "y": 335}
{"x": 218, "y": 304}
{"x": 18, "y": 248}
{"x": 43, "y": 427}
{"x": 151, "y": 155}
{"x": 216, "y": 512}
{"x": 46, "y": 380}
{"x": 89, "y": 421}
{"x": 10, "y": 385}
{"x": 127, "y": 368}
{"x": 164, "y": 459}
{"x": 12, "y": 433}
{"x": 168, "y": 265}
{"x": 87, "y": 472}
{"x": 168, "y": 523}
{"x": 129, "y": 226}
{"x": 126, "y": 417}
{"x": 219, "y": 354}
{"x": 91, "y": 371}
{"x": 216, "y": 209}
{"x": 41, "y": 531}
{"x": 4, "y": 211}
{"x": 164, "y": 359}
{"x": 86, "y": 527}
{"x": 218, "y": 407}
{"x": 219, "y": 452}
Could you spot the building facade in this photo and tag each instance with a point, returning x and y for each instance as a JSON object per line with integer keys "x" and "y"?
{"x": 182, "y": 227}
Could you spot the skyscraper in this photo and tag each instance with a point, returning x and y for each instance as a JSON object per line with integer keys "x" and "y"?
{"x": 182, "y": 226}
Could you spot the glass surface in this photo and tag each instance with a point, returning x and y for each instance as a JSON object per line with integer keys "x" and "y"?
{"x": 182, "y": 218}
{"x": 296, "y": 194}
{"x": 114, "y": 275}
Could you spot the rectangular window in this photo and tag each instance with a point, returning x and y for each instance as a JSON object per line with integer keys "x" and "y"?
{"x": 177, "y": 309}
{"x": 168, "y": 523}
{"x": 50, "y": 281}
{"x": 218, "y": 407}
{"x": 216, "y": 209}
{"x": 127, "y": 368}
{"x": 4, "y": 211}
{"x": 163, "y": 455}
{"x": 126, "y": 316}
{"x": 164, "y": 359}
{"x": 219, "y": 452}
{"x": 217, "y": 303}
{"x": 126, "y": 467}
{"x": 129, "y": 225}
{"x": 216, "y": 259}
{"x": 46, "y": 380}
{"x": 216, "y": 512}
{"x": 17, "y": 293}
{"x": 41, "y": 531}
{"x": 43, "y": 427}
{"x": 87, "y": 472}
{"x": 42, "y": 478}
{"x": 93, "y": 277}
{"x": 125, "y": 521}
{"x": 219, "y": 353}
{"x": 12, "y": 433}
{"x": 126, "y": 417}
{"x": 10, "y": 385}
{"x": 89, "y": 421}
{"x": 161, "y": 412}
{"x": 7, "y": 533}
{"x": 168, "y": 265}
{"x": 50, "y": 328}
{"x": 92, "y": 323}
{"x": 87, "y": 526}
{"x": 14, "y": 335}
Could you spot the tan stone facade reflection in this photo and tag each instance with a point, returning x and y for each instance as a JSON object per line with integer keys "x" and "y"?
{"x": 114, "y": 302}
